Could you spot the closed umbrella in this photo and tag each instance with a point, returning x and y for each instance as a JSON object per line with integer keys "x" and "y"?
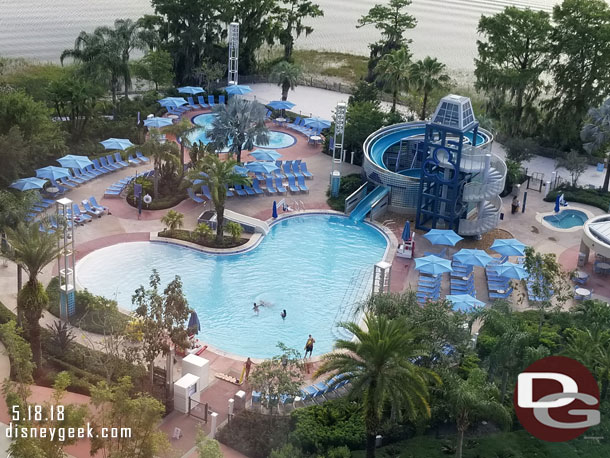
{"x": 442, "y": 237}
{"x": 261, "y": 167}
{"x": 510, "y": 270}
{"x": 472, "y": 257}
{"x": 432, "y": 265}
{"x": 406, "y": 232}
{"x": 317, "y": 123}
{"x": 53, "y": 173}
{"x": 117, "y": 143}
{"x": 190, "y": 90}
{"x": 158, "y": 122}
{"x": 25, "y": 184}
{"x": 74, "y": 162}
{"x": 508, "y": 247}
{"x": 265, "y": 155}
{"x": 238, "y": 89}
{"x": 464, "y": 302}
{"x": 172, "y": 102}
{"x": 194, "y": 326}
{"x": 280, "y": 104}
{"x": 274, "y": 209}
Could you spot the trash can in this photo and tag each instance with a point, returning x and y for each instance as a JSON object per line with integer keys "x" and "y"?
{"x": 582, "y": 259}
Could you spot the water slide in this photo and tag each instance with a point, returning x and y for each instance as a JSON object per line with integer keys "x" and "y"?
{"x": 365, "y": 205}
{"x": 256, "y": 224}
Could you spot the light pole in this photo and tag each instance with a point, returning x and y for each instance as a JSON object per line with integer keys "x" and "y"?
{"x": 233, "y": 53}
{"x": 335, "y": 176}
{"x": 67, "y": 269}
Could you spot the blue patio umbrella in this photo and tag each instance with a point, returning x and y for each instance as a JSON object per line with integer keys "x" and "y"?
{"x": 317, "y": 123}
{"x": 238, "y": 89}
{"x": 464, "y": 302}
{"x": 25, "y": 184}
{"x": 557, "y": 203}
{"x": 406, "y": 232}
{"x": 508, "y": 247}
{"x": 117, "y": 143}
{"x": 265, "y": 155}
{"x": 261, "y": 167}
{"x": 240, "y": 170}
{"x": 281, "y": 104}
{"x": 190, "y": 90}
{"x": 194, "y": 326}
{"x": 274, "y": 209}
{"x": 158, "y": 122}
{"x": 433, "y": 265}
{"x": 442, "y": 237}
{"x": 172, "y": 102}
{"x": 52, "y": 173}
{"x": 472, "y": 257}
{"x": 74, "y": 162}
{"x": 510, "y": 270}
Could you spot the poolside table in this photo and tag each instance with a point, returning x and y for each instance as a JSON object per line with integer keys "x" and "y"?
{"x": 280, "y": 121}
{"x": 582, "y": 292}
{"x": 315, "y": 139}
{"x": 172, "y": 116}
{"x": 604, "y": 267}
{"x": 52, "y": 190}
{"x": 579, "y": 274}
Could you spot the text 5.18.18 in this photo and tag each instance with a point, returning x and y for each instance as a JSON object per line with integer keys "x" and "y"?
{"x": 38, "y": 413}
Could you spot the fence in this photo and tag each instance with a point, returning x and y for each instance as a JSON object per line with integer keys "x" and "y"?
{"x": 199, "y": 410}
{"x": 535, "y": 181}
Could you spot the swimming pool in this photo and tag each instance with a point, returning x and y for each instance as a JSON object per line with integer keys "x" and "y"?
{"x": 277, "y": 140}
{"x": 306, "y": 264}
{"x": 567, "y": 219}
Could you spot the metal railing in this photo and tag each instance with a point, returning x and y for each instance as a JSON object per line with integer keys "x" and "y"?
{"x": 488, "y": 221}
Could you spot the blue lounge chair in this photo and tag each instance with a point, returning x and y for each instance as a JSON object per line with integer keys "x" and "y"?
{"x": 76, "y": 179}
{"x": 292, "y": 185}
{"x": 257, "y": 188}
{"x": 306, "y": 173}
{"x": 206, "y": 192}
{"x": 286, "y": 170}
{"x": 196, "y": 199}
{"x": 201, "y": 101}
{"x": 119, "y": 160}
{"x": 192, "y": 103}
{"x": 104, "y": 164}
{"x": 239, "y": 190}
{"x": 301, "y": 183}
{"x": 268, "y": 114}
{"x": 94, "y": 170}
{"x": 111, "y": 162}
{"x": 296, "y": 170}
{"x": 90, "y": 210}
{"x": 141, "y": 157}
{"x": 280, "y": 186}
{"x": 78, "y": 214}
{"x": 211, "y": 100}
{"x": 259, "y": 176}
{"x": 64, "y": 182}
{"x": 229, "y": 192}
{"x": 221, "y": 99}
{"x": 249, "y": 190}
{"x": 270, "y": 187}
{"x": 97, "y": 206}
{"x": 297, "y": 121}
{"x": 132, "y": 160}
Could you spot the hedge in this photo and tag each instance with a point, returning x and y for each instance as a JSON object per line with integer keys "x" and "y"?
{"x": 594, "y": 197}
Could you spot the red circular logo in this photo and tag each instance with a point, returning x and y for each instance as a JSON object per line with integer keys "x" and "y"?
{"x": 556, "y": 399}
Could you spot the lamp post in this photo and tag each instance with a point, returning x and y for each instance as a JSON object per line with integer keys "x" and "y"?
{"x": 335, "y": 175}
{"x": 67, "y": 271}
{"x": 233, "y": 53}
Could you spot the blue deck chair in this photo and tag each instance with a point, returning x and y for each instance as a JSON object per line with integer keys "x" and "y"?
{"x": 75, "y": 179}
{"x": 249, "y": 190}
{"x": 280, "y": 186}
{"x": 100, "y": 167}
{"x": 292, "y": 185}
{"x": 296, "y": 169}
{"x": 111, "y": 162}
{"x": 192, "y": 104}
{"x": 270, "y": 187}
{"x": 239, "y": 190}
{"x": 77, "y": 173}
{"x": 97, "y": 206}
{"x": 119, "y": 159}
{"x": 201, "y": 101}
{"x": 306, "y": 173}
{"x": 78, "y": 214}
{"x": 286, "y": 170}
{"x": 141, "y": 157}
{"x": 132, "y": 160}
{"x": 259, "y": 176}
{"x": 301, "y": 183}
{"x": 66, "y": 184}
{"x": 90, "y": 210}
{"x": 91, "y": 169}
{"x": 221, "y": 99}
{"x": 196, "y": 199}
{"x": 211, "y": 100}
{"x": 257, "y": 188}
{"x": 206, "y": 192}
{"x": 104, "y": 161}
{"x": 229, "y": 192}
{"x": 268, "y": 114}
{"x": 296, "y": 122}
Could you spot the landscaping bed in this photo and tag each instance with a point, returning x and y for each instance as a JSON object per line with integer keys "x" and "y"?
{"x": 189, "y": 236}
{"x": 349, "y": 184}
{"x": 594, "y": 197}
{"x": 169, "y": 196}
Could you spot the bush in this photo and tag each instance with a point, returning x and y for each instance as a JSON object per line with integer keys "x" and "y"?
{"x": 5, "y": 314}
{"x": 333, "y": 424}
{"x": 349, "y": 184}
{"x": 594, "y": 197}
{"x": 195, "y": 237}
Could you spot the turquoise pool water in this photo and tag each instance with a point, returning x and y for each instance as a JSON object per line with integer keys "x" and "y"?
{"x": 277, "y": 140}
{"x": 306, "y": 265}
{"x": 566, "y": 219}
{"x": 415, "y": 173}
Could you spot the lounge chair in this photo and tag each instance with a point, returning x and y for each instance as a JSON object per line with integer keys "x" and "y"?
{"x": 206, "y": 192}
{"x": 256, "y": 187}
{"x": 304, "y": 171}
{"x": 111, "y": 162}
{"x": 192, "y": 103}
{"x": 279, "y": 186}
{"x": 132, "y": 160}
{"x": 297, "y": 121}
{"x": 103, "y": 161}
{"x": 90, "y": 210}
{"x": 201, "y": 101}
{"x": 196, "y": 199}
{"x": 229, "y": 192}
{"x": 141, "y": 157}
{"x": 301, "y": 183}
{"x": 76, "y": 179}
{"x": 97, "y": 206}
{"x": 221, "y": 100}
{"x": 78, "y": 214}
{"x": 91, "y": 169}
{"x": 64, "y": 182}
{"x": 112, "y": 193}
{"x": 286, "y": 170}
{"x": 211, "y": 100}
{"x": 268, "y": 114}
{"x": 270, "y": 187}
{"x": 292, "y": 185}
{"x": 249, "y": 190}
{"x": 259, "y": 176}
{"x": 119, "y": 160}
{"x": 239, "y": 190}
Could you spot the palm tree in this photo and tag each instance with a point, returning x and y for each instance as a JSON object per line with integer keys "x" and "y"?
{"x": 160, "y": 153}
{"x": 596, "y": 134}
{"x": 180, "y": 130}
{"x": 428, "y": 75}
{"x": 472, "y": 399}
{"x": 218, "y": 175}
{"x": 32, "y": 250}
{"x": 239, "y": 124}
{"x": 287, "y": 75}
{"x": 173, "y": 220}
{"x": 394, "y": 71}
{"x": 379, "y": 363}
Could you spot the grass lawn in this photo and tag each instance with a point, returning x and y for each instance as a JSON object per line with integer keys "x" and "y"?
{"x": 348, "y": 67}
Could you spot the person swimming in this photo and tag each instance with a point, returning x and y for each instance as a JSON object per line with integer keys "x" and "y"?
{"x": 283, "y": 314}
{"x": 255, "y": 308}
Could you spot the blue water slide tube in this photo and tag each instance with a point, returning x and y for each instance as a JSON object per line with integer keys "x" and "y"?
{"x": 365, "y": 205}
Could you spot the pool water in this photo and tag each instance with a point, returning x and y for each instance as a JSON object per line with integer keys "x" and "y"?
{"x": 277, "y": 140}
{"x": 414, "y": 173}
{"x": 567, "y": 219}
{"x": 307, "y": 265}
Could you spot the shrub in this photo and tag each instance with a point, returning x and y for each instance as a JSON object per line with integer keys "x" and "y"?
{"x": 203, "y": 232}
{"x": 5, "y": 314}
{"x": 349, "y": 184}
{"x": 594, "y": 197}
{"x": 235, "y": 230}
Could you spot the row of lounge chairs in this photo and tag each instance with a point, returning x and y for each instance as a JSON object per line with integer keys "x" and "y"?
{"x": 462, "y": 279}
{"x": 299, "y": 126}
{"x": 499, "y": 287}
{"x": 38, "y": 208}
{"x": 118, "y": 187}
{"x": 428, "y": 287}
{"x": 191, "y": 105}
{"x": 76, "y": 215}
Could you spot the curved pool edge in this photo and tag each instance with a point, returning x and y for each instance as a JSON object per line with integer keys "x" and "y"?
{"x": 540, "y": 218}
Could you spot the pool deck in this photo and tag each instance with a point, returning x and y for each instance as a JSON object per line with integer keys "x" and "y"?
{"x": 124, "y": 225}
